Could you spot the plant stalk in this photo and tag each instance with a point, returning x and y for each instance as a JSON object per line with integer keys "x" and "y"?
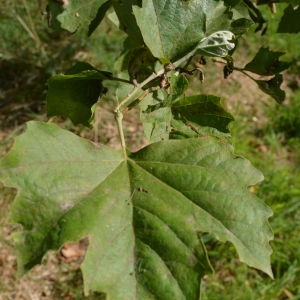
{"x": 124, "y": 103}
{"x": 119, "y": 119}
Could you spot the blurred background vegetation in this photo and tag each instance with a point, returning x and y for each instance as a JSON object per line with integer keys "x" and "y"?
{"x": 265, "y": 132}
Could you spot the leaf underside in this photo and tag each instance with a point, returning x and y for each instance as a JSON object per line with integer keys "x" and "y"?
{"x": 143, "y": 215}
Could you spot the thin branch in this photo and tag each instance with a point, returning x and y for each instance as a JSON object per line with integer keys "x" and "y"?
{"x": 124, "y": 102}
{"x": 24, "y": 25}
{"x": 236, "y": 69}
{"x": 120, "y": 79}
{"x": 31, "y": 23}
{"x": 127, "y": 100}
{"x": 119, "y": 119}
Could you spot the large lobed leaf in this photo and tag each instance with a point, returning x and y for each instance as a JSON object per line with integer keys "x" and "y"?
{"x": 142, "y": 214}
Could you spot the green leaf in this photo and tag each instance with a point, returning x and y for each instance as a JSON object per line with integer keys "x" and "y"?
{"x": 141, "y": 214}
{"x": 156, "y": 113}
{"x": 73, "y": 94}
{"x": 240, "y": 26}
{"x": 266, "y": 63}
{"x": 272, "y": 87}
{"x": 157, "y": 124}
{"x": 178, "y": 85}
{"x": 181, "y": 129}
{"x": 72, "y": 14}
{"x": 99, "y": 17}
{"x": 289, "y": 22}
{"x": 156, "y": 116}
{"x": 199, "y": 114}
{"x": 124, "y": 11}
{"x": 178, "y": 26}
{"x": 203, "y": 110}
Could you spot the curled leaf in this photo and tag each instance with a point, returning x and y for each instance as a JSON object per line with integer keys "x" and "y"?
{"x": 217, "y": 44}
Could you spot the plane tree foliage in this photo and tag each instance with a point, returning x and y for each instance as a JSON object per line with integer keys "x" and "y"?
{"x": 145, "y": 213}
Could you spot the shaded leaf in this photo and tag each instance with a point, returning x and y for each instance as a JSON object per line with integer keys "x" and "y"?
{"x": 72, "y": 14}
{"x": 182, "y": 129}
{"x": 127, "y": 22}
{"x": 266, "y": 63}
{"x": 73, "y": 94}
{"x": 289, "y": 22}
{"x": 240, "y": 26}
{"x": 140, "y": 64}
{"x": 178, "y": 85}
{"x": 272, "y": 87}
{"x": 99, "y": 17}
{"x": 204, "y": 110}
{"x": 141, "y": 215}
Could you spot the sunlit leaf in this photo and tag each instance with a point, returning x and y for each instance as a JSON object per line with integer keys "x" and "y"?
{"x": 142, "y": 215}
{"x": 178, "y": 26}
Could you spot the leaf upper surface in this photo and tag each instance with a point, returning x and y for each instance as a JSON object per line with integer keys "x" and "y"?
{"x": 266, "y": 62}
{"x": 72, "y": 14}
{"x": 289, "y": 22}
{"x": 177, "y": 26}
{"x": 74, "y": 93}
{"x": 204, "y": 110}
{"x": 272, "y": 87}
{"x": 142, "y": 215}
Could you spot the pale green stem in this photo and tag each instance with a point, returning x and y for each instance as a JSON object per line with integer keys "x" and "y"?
{"x": 124, "y": 102}
{"x": 24, "y": 25}
{"x": 128, "y": 99}
{"x": 119, "y": 118}
{"x": 35, "y": 34}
